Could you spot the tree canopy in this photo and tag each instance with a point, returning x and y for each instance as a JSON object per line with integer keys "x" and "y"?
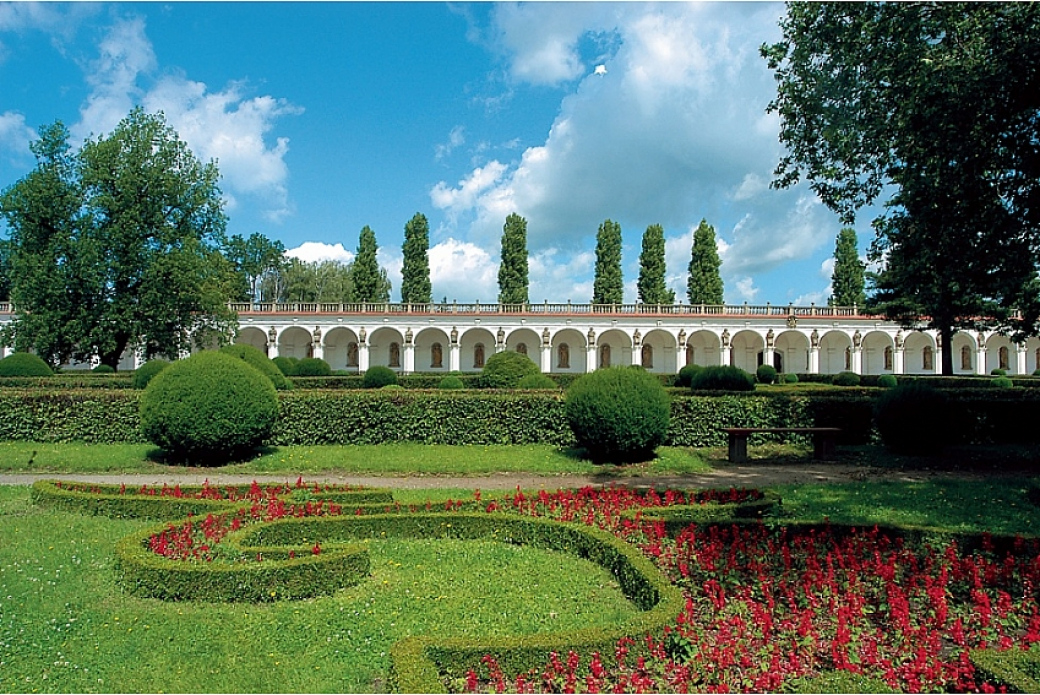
{"x": 416, "y": 287}
{"x": 512, "y": 271}
{"x": 932, "y": 110}
{"x": 608, "y": 285}
{"x": 704, "y": 285}
{"x": 651, "y": 287}
{"x": 254, "y": 258}
{"x": 115, "y": 246}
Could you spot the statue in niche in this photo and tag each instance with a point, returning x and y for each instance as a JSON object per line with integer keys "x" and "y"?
{"x": 317, "y": 335}
{"x": 814, "y": 338}
{"x": 725, "y": 338}
{"x": 888, "y": 358}
{"x": 848, "y": 359}
{"x": 478, "y": 355}
{"x": 436, "y": 356}
{"x": 352, "y": 354}
{"x": 965, "y": 357}
{"x": 682, "y": 337}
{"x": 604, "y": 356}
{"x": 395, "y": 355}
{"x": 926, "y": 359}
{"x": 563, "y": 356}
{"x": 521, "y": 348}
{"x": 690, "y": 354}
{"x": 1002, "y": 357}
{"x": 857, "y": 339}
{"x": 648, "y": 357}
{"x": 545, "y": 337}
{"x": 454, "y": 335}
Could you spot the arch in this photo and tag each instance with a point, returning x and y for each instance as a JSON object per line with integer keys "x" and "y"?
{"x": 746, "y": 347}
{"x": 793, "y": 348}
{"x": 252, "y": 335}
{"x": 704, "y": 348}
{"x": 1032, "y": 355}
{"x": 619, "y": 347}
{"x": 431, "y": 344}
{"x": 571, "y": 342}
{"x": 468, "y": 353}
{"x": 340, "y": 349}
{"x": 380, "y": 347}
{"x": 963, "y": 353}
{"x": 529, "y": 339}
{"x": 876, "y": 353}
{"x": 604, "y": 356}
{"x": 646, "y": 357}
{"x": 1000, "y": 354}
{"x": 917, "y": 349}
{"x": 296, "y": 342}
{"x": 835, "y": 349}
{"x": 662, "y": 345}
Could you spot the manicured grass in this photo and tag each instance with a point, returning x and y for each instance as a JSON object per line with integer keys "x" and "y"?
{"x": 66, "y": 626}
{"x": 386, "y": 459}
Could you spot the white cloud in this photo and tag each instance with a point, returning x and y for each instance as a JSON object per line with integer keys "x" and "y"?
{"x": 558, "y": 276}
{"x": 745, "y": 289}
{"x": 317, "y": 251}
{"x": 456, "y": 138}
{"x": 469, "y": 191}
{"x": 462, "y": 270}
{"x": 15, "y": 136}
{"x": 60, "y": 20}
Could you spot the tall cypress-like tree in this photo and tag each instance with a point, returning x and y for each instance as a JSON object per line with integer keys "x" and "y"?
{"x": 608, "y": 284}
{"x": 415, "y": 273}
{"x": 849, "y": 277}
{"x": 651, "y": 286}
{"x": 370, "y": 281}
{"x": 512, "y": 272}
{"x": 705, "y": 282}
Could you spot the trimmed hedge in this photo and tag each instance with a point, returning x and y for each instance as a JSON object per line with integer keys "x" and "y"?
{"x": 24, "y": 364}
{"x": 1018, "y": 671}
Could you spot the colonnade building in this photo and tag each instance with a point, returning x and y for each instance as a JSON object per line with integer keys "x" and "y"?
{"x": 577, "y": 338}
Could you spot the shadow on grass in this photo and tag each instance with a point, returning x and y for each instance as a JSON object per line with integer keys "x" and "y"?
{"x": 167, "y": 458}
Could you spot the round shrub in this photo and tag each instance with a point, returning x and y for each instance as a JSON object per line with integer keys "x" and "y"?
{"x": 997, "y": 371}
{"x": 450, "y": 383}
{"x": 618, "y": 414}
{"x": 378, "y": 377}
{"x": 24, "y": 364}
{"x": 103, "y": 369}
{"x": 537, "y": 381}
{"x": 1036, "y": 372}
{"x": 258, "y": 360}
{"x": 912, "y": 418}
{"x": 312, "y": 366}
{"x": 686, "y": 374}
{"x": 1002, "y": 382}
{"x": 146, "y": 372}
{"x": 504, "y": 370}
{"x": 766, "y": 374}
{"x": 285, "y": 364}
{"x": 887, "y": 381}
{"x": 209, "y": 408}
{"x": 790, "y": 378}
{"x": 718, "y": 378}
{"x": 392, "y": 387}
{"x": 846, "y": 379}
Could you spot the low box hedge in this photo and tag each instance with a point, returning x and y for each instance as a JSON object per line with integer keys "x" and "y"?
{"x": 1014, "y": 670}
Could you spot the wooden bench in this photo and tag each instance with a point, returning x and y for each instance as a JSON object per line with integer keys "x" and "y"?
{"x": 824, "y": 440}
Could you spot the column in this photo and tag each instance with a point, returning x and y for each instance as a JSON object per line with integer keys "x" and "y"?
{"x": 590, "y": 352}
{"x": 767, "y": 353}
{"x": 454, "y": 351}
{"x": 897, "y": 360}
{"x": 317, "y": 349}
{"x": 1020, "y": 367}
{"x": 857, "y": 359}
{"x": 980, "y": 360}
{"x": 408, "y": 365}
{"x": 637, "y": 349}
{"x": 726, "y": 353}
{"x": 814, "y": 359}
{"x": 362, "y": 357}
{"x": 680, "y": 352}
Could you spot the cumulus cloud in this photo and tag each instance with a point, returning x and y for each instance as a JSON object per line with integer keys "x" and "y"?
{"x": 15, "y": 136}
{"x": 316, "y": 252}
{"x": 462, "y": 270}
{"x": 225, "y": 125}
{"x": 59, "y": 20}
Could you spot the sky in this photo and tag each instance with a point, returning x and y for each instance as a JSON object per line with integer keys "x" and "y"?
{"x": 326, "y": 117}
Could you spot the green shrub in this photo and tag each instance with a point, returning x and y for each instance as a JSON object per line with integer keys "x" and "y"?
{"x": 392, "y": 387}
{"x": 997, "y": 371}
{"x": 766, "y": 374}
{"x": 504, "y": 370}
{"x": 145, "y": 373}
{"x": 285, "y": 365}
{"x": 537, "y": 381}
{"x": 912, "y": 418}
{"x": 1036, "y": 372}
{"x": 378, "y": 377}
{"x": 258, "y": 360}
{"x": 210, "y": 407}
{"x": 845, "y": 379}
{"x": 312, "y": 366}
{"x": 1002, "y": 382}
{"x": 685, "y": 375}
{"x": 790, "y": 378}
{"x": 103, "y": 369}
{"x": 724, "y": 378}
{"x": 618, "y": 414}
{"x": 887, "y": 381}
{"x": 24, "y": 364}
{"x": 451, "y": 382}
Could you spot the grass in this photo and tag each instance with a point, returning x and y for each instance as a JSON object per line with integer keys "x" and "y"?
{"x": 65, "y": 625}
{"x": 404, "y": 458}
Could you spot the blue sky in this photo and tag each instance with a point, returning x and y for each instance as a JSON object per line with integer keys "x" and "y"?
{"x": 326, "y": 117}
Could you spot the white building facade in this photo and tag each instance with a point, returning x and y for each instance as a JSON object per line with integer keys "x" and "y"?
{"x": 578, "y": 338}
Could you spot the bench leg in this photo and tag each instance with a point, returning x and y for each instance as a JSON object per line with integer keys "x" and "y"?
{"x": 738, "y": 448}
{"x": 824, "y": 446}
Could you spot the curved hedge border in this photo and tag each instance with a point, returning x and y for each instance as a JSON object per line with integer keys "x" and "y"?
{"x": 1012, "y": 669}
{"x": 678, "y": 516}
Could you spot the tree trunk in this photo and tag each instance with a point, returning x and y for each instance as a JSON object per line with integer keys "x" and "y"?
{"x": 946, "y": 336}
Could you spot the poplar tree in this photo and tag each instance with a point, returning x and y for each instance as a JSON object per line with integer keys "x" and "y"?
{"x": 415, "y": 273}
{"x": 651, "y": 286}
{"x": 705, "y": 282}
{"x": 849, "y": 277}
{"x": 512, "y": 272}
{"x": 608, "y": 284}
{"x": 370, "y": 282}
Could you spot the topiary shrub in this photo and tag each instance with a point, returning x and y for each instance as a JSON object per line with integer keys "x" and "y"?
{"x": 887, "y": 381}
{"x": 451, "y": 382}
{"x": 1036, "y": 372}
{"x": 912, "y": 418}
{"x": 790, "y": 378}
{"x": 997, "y": 371}
{"x": 312, "y": 366}
{"x": 727, "y": 378}
{"x": 144, "y": 374}
{"x": 1002, "y": 382}
{"x": 103, "y": 369}
{"x": 846, "y": 379}
{"x": 537, "y": 381}
{"x": 24, "y": 364}
{"x": 258, "y": 360}
{"x": 285, "y": 364}
{"x": 378, "y": 377}
{"x": 685, "y": 375}
{"x": 618, "y": 414}
{"x": 392, "y": 387}
{"x": 766, "y": 374}
{"x": 504, "y": 370}
{"x": 209, "y": 408}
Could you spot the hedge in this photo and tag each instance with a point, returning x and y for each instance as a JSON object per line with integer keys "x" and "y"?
{"x": 1017, "y": 671}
